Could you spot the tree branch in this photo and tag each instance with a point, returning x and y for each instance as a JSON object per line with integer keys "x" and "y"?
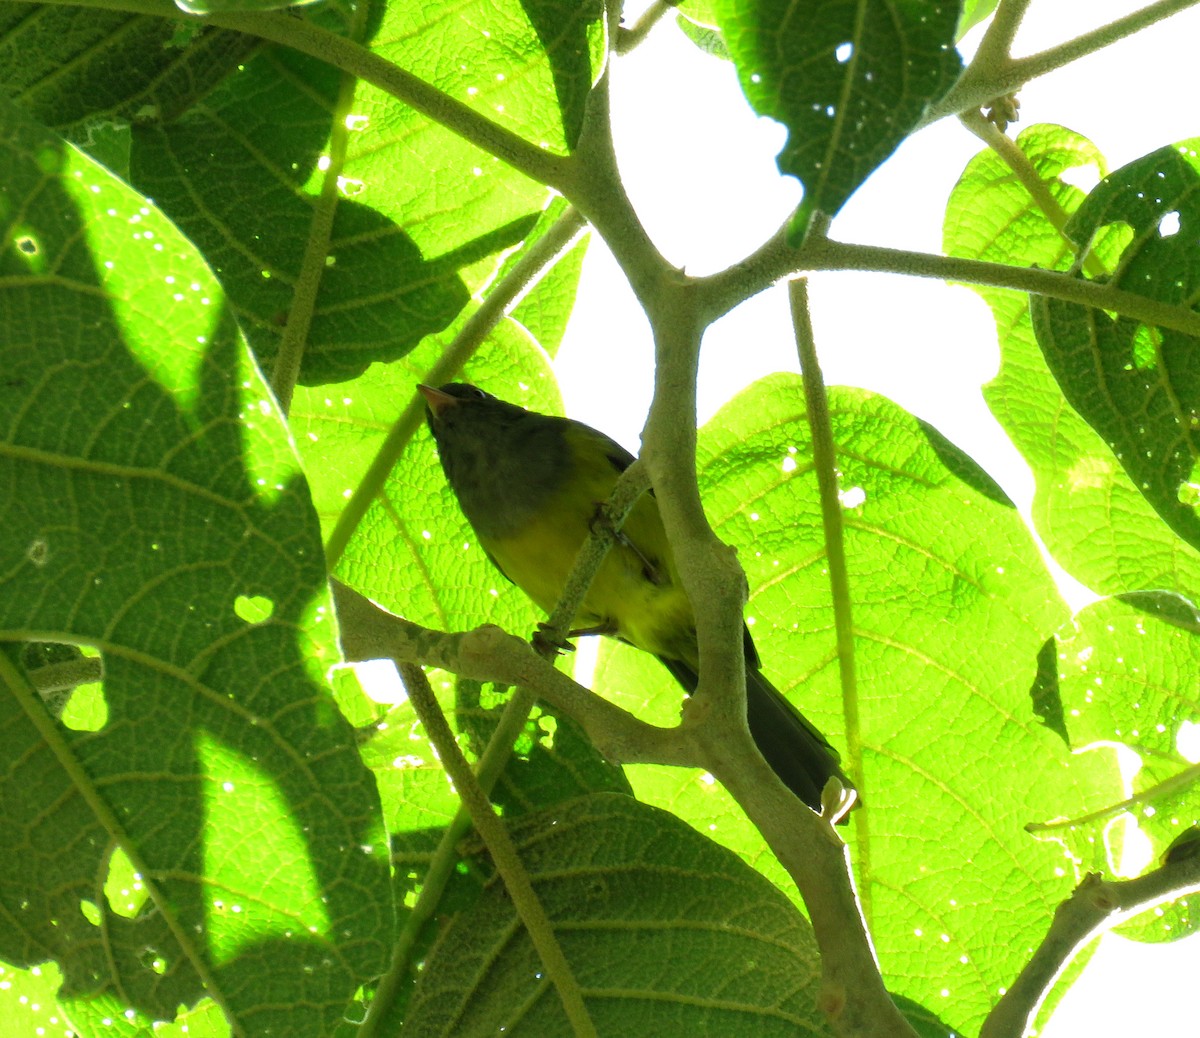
{"x": 1095, "y": 906}
{"x": 369, "y": 632}
{"x": 999, "y": 73}
{"x": 350, "y": 57}
{"x": 629, "y": 38}
{"x": 853, "y": 995}
{"x": 775, "y": 259}
{"x": 995, "y": 49}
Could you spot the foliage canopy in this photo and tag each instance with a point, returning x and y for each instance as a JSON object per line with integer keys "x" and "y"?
{"x": 235, "y": 237}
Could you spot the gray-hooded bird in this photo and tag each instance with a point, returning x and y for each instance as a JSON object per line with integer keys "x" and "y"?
{"x": 529, "y": 485}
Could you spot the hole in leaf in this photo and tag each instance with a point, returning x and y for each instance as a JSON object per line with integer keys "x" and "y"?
{"x": 853, "y": 497}
{"x": 254, "y": 609}
{"x": 123, "y": 887}
{"x": 1169, "y": 224}
{"x": 86, "y": 709}
{"x": 1187, "y": 741}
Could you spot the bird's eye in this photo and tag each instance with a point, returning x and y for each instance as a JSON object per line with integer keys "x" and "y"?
{"x": 477, "y": 393}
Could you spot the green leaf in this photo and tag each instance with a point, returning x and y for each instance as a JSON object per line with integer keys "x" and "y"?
{"x": 951, "y": 604}
{"x": 666, "y": 933}
{"x": 241, "y": 178}
{"x": 1091, "y": 516}
{"x": 573, "y": 37}
{"x": 76, "y": 69}
{"x": 151, "y": 497}
{"x": 1139, "y": 386}
{"x": 1128, "y": 673}
{"x": 705, "y": 37}
{"x": 546, "y": 308}
{"x": 973, "y": 12}
{"x": 850, "y": 79}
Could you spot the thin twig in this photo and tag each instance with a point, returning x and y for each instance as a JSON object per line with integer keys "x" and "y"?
{"x": 980, "y": 83}
{"x": 1095, "y": 906}
{"x": 502, "y": 850}
{"x": 630, "y": 485}
{"x": 1169, "y": 787}
{"x": 350, "y": 57}
{"x": 66, "y": 676}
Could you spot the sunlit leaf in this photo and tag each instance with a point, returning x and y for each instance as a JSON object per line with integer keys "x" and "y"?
{"x": 1138, "y": 386}
{"x": 1092, "y": 517}
{"x": 151, "y": 487}
{"x": 665, "y": 932}
{"x": 849, "y": 79}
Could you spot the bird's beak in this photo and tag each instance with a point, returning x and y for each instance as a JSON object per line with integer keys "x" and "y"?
{"x": 436, "y": 400}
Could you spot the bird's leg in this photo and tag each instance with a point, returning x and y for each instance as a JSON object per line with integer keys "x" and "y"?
{"x": 650, "y": 567}
{"x": 543, "y": 643}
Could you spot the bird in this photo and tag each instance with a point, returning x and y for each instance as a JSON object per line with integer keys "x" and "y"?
{"x": 530, "y": 485}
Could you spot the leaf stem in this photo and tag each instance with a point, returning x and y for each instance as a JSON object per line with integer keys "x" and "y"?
{"x": 825, "y": 464}
{"x": 1016, "y": 160}
{"x": 502, "y": 850}
{"x": 320, "y": 231}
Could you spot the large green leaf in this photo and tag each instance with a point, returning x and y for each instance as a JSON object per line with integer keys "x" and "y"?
{"x": 665, "y": 932}
{"x": 1139, "y": 386}
{"x": 1092, "y": 517}
{"x": 241, "y": 175}
{"x": 849, "y": 79}
{"x": 951, "y": 605}
{"x": 154, "y": 512}
{"x": 290, "y": 173}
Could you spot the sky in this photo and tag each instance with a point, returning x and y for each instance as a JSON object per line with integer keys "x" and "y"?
{"x": 700, "y": 169}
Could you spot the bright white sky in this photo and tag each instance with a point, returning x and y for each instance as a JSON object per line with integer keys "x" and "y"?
{"x": 700, "y": 169}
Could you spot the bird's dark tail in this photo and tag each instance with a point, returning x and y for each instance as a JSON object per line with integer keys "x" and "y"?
{"x": 797, "y": 752}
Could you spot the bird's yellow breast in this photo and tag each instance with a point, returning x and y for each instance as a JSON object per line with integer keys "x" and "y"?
{"x": 636, "y": 592}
